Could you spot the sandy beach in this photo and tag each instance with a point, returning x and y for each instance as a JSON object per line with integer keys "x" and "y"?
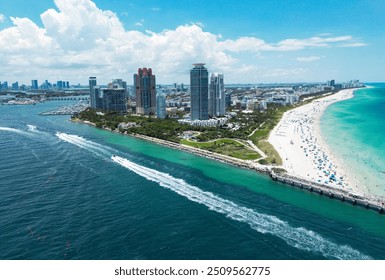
{"x": 298, "y": 140}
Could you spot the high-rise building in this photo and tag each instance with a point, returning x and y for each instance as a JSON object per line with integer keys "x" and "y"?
{"x": 46, "y": 85}
{"x": 15, "y": 86}
{"x": 228, "y": 100}
{"x": 217, "y": 96}
{"x": 144, "y": 84}
{"x": 112, "y": 99}
{"x": 92, "y": 84}
{"x": 98, "y": 97}
{"x": 161, "y": 105}
{"x": 34, "y": 84}
{"x": 124, "y": 85}
{"x": 199, "y": 87}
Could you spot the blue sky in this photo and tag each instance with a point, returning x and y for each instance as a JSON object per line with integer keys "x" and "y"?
{"x": 256, "y": 41}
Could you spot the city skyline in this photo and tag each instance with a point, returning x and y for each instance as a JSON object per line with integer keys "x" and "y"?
{"x": 276, "y": 41}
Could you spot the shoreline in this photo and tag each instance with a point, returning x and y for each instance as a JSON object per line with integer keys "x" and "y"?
{"x": 305, "y": 155}
{"x": 289, "y": 179}
{"x": 249, "y": 164}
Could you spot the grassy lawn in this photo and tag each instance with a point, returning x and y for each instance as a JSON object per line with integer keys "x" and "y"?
{"x": 225, "y": 147}
{"x": 260, "y": 136}
{"x": 272, "y": 155}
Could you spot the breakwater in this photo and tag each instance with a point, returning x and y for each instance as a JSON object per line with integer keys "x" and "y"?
{"x": 342, "y": 195}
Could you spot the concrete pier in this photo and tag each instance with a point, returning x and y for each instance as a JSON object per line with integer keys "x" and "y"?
{"x": 332, "y": 193}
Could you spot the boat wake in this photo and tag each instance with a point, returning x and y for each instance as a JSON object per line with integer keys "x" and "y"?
{"x": 299, "y": 238}
{"x": 14, "y": 130}
{"x": 32, "y": 128}
{"x": 95, "y": 148}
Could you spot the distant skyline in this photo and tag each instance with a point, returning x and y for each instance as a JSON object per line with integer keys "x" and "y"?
{"x": 248, "y": 41}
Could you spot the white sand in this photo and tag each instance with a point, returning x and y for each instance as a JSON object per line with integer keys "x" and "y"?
{"x": 304, "y": 155}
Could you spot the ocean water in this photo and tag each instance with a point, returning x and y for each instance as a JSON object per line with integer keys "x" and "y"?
{"x": 71, "y": 191}
{"x": 355, "y": 131}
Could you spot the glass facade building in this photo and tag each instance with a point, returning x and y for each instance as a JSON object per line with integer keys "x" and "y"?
{"x": 34, "y": 84}
{"x": 161, "y": 105}
{"x": 93, "y": 97}
{"x": 144, "y": 84}
{"x": 199, "y": 87}
{"x": 217, "y": 96}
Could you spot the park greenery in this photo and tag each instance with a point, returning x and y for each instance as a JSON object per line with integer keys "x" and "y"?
{"x": 230, "y": 139}
{"x": 228, "y": 147}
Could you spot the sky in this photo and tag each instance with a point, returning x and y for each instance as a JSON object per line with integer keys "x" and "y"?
{"x": 249, "y": 41}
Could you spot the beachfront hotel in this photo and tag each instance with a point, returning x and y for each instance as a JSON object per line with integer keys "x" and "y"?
{"x": 199, "y": 83}
{"x": 144, "y": 85}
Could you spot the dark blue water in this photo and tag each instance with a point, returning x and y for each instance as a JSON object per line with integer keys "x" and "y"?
{"x": 64, "y": 197}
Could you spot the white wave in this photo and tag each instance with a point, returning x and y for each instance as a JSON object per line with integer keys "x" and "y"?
{"x": 15, "y": 130}
{"x": 300, "y": 238}
{"x": 32, "y": 128}
{"x": 81, "y": 142}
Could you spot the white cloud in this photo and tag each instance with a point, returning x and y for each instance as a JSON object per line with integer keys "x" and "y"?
{"x": 155, "y": 9}
{"x": 79, "y": 40}
{"x": 308, "y": 58}
{"x": 200, "y": 24}
{"x": 253, "y": 44}
{"x": 288, "y": 74}
{"x": 353, "y": 45}
{"x": 2, "y": 18}
{"x": 139, "y": 23}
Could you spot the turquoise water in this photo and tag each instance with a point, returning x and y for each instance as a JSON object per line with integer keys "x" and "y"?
{"x": 64, "y": 197}
{"x": 355, "y": 131}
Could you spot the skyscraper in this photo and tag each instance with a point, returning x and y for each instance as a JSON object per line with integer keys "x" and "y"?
{"x": 217, "y": 95}
{"x": 161, "y": 105}
{"x": 144, "y": 84}
{"x": 34, "y": 84}
{"x": 111, "y": 99}
{"x": 93, "y": 97}
{"x": 15, "y": 86}
{"x": 199, "y": 87}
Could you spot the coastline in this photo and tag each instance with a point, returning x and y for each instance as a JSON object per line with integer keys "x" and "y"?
{"x": 305, "y": 155}
{"x": 249, "y": 164}
{"x": 351, "y": 194}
